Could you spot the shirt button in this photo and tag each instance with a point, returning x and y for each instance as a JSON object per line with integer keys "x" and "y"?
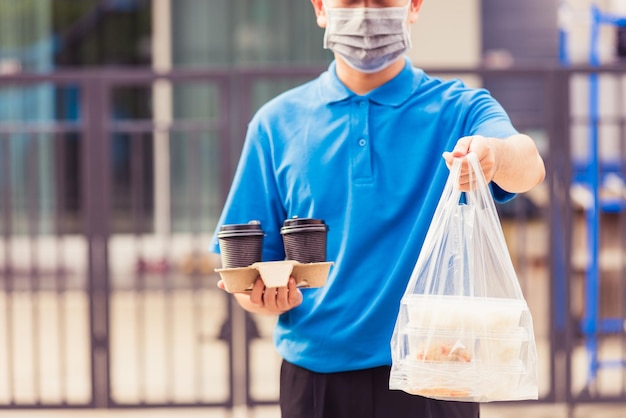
{"x": 362, "y": 104}
{"x": 362, "y": 142}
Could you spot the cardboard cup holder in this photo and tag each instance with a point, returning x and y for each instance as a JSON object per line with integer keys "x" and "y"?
{"x": 275, "y": 274}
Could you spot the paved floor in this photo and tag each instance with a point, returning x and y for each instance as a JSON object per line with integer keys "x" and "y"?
{"x": 487, "y": 411}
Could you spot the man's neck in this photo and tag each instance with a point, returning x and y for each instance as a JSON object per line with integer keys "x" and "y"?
{"x": 362, "y": 83}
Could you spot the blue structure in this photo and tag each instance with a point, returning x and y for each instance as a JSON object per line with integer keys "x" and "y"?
{"x": 592, "y": 173}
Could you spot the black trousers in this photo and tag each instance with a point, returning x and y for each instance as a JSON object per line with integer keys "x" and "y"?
{"x": 358, "y": 394}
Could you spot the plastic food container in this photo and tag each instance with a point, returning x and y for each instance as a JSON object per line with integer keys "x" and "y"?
{"x": 493, "y": 349}
{"x": 454, "y": 381}
{"x": 465, "y": 348}
{"x": 461, "y": 312}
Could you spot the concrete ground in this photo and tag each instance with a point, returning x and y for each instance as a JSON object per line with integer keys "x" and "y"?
{"x": 487, "y": 411}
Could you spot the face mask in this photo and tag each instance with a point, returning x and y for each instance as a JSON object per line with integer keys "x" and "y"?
{"x": 369, "y": 39}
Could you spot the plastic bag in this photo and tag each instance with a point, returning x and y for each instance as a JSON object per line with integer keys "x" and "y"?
{"x": 464, "y": 331}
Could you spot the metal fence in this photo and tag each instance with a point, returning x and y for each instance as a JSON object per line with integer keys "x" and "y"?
{"x": 108, "y": 294}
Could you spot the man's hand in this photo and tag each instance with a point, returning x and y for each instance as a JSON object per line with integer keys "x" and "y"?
{"x": 269, "y": 300}
{"x": 483, "y": 149}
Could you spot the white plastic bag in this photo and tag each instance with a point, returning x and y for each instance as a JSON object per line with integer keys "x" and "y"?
{"x": 464, "y": 331}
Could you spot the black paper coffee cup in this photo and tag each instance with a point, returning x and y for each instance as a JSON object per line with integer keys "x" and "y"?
{"x": 241, "y": 244}
{"x": 304, "y": 239}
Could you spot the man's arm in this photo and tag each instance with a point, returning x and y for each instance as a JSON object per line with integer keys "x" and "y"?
{"x": 513, "y": 163}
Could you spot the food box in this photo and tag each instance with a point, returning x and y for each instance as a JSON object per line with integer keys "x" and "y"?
{"x": 462, "y": 312}
{"x": 465, "y": 348}
{"x": 494, "y": 349}
{"x": 457, "y": 381}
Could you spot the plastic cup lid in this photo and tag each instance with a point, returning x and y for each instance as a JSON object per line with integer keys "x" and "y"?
{"x": 304, "y": 224}
{"x": 295, "y": 221}
{"x": 251, "y": 228}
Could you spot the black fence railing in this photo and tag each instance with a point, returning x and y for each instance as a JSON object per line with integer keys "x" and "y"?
{"x": 110, "y": 189}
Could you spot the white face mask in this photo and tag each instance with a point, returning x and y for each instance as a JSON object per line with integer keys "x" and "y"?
{"x": 369, "y": 39}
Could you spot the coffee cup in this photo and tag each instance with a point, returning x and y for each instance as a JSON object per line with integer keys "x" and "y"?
{"x": 241, "y": 244}
{"x": 304, "y": 239}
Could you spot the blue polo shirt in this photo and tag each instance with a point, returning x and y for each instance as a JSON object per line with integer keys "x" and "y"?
{"x": 371, "y": 167}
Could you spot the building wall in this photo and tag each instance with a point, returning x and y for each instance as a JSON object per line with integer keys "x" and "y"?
{"x": 25, "y": 46}
{"x": 245, "y": 33}
{"x": 447, "y": 34}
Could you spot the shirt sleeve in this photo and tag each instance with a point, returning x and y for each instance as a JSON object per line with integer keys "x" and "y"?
{"x": 487, "y": 117}
{"x": 254, "y": 195}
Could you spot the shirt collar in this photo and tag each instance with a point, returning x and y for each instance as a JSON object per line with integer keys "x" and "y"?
{"x": 393, "y": 93}
{"x": 331, "y": 88}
